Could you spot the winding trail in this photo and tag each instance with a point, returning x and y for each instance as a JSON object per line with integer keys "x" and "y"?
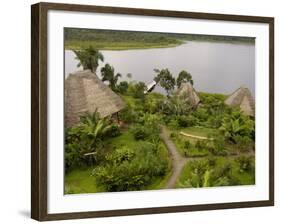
{"x": 178, "y": 161}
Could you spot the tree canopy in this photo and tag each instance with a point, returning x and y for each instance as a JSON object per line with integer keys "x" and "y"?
{"x": 165, "y": 79}
{"x": 184, "y": 76}
{"x": 89, "y": 58}
{"x": 108, "y": 74}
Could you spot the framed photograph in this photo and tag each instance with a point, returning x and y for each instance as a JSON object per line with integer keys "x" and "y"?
{"x": 140, "y": 111}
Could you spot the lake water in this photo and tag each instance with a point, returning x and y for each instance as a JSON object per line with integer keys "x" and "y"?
{"x": 215, "y": 67}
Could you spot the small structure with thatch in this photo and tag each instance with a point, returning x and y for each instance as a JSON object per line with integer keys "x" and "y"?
{"x": 242, "y": 98}
{"x": 186, "y": 91}
{"x": 85, "y": 92}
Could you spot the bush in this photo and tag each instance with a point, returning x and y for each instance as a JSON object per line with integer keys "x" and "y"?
{"x": 128, "y": 115}
{"x": 114, "y": 131}
{"x": 244, "y": 142}
{"x": 201, "y": 144}
{"x": 131, "y": 169}
{"x": 244, "y": 163}
{"x": 186, "y": 121}
{"x": 137, "y": 90}
{"x": 173, "y": 135}
{"x": 212, "y": 161}
{"x": 85, "y": 137}
{"x": 187, "y": 144}
{"x": 218, "y": 147}
{"x": 140, "y": 132}
{"x": 152, "y": 102}
{"x": 201, "y": 114}
{"x": 122, "y": 87}
{"x": 121, "y": 154}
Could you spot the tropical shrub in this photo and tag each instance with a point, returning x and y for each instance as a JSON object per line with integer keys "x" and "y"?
{"x": 140, "y": 132}
{"x": 128, "y": 169}
{"x": 243, "y": 142}
{"x": 137, "y": 89}
{"x": 128, "y": 115}
{"x": 152, "y": 102}
{"x": 201, "y": 114}
{"x": 122, "y": 87}
{"x": 199, "y": 175}
{"x": 244, "y": 163}
{"x": 236, "y": 124}
{"x": 86, "y": 137}
{"x": 187, "y": 121}
{"x": 114, "y": 130}
{"x": 223, "y": 176}
{"x": 175, "y": 105}
{"x": 187, "y": 144}
{"x": 218, "y": 147}
{"x": 201, "y": 144}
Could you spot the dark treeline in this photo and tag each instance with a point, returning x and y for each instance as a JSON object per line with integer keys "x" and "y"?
{"x": 122, "y": 36}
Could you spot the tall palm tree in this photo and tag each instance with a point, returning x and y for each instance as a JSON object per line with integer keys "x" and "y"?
{"x": 89, "y": 58}
{"x": 108, "y": 74}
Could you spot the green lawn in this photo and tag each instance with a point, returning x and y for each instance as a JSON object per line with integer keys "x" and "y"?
{"x": 80, "y": 181}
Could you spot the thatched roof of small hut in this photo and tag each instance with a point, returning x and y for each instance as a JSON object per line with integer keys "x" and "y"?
{"x": 85, "y": 92}
{"x": 242, "y": 98}
{"x": 187, "y": 92}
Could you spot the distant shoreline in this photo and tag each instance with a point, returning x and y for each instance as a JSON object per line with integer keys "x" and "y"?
{"x": 76, "y": 39}
{"x": 78, "y": 45}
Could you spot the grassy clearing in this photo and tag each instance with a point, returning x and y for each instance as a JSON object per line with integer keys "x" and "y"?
{"x": 80, "y": 181}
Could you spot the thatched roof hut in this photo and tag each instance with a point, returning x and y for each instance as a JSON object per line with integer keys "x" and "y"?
{"x": 187, "y": 92}
{"x": 85, "y": 92}
{"x": 242, "y": 98}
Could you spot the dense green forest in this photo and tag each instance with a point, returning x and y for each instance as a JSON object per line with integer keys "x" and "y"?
{"x": 121, "y": 40}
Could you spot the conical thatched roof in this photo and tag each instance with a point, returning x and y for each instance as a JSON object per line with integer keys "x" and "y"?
{"x": 187, "y": 92}
{"x": 85, "y": 92}
{"x": 242, "y": 97}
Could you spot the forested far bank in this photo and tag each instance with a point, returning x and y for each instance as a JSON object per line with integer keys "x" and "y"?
{"x": 124, "y": 40}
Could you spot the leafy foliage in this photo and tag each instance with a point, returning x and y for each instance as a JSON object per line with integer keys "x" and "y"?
{"x": 245, "y": 164}
{"x": 184, "y": 76}
{"x": 123, "y": 87}
{"x": 131, "y": 169}
{"x": 86, "y": 137}
{"x": 137, "y": 90}
{"x": 187, "y": 121}
{"x": 166, "y": 80}
{"x": 174, "y": 106}
{"x": 108, "y": 74}
{"x": 236, "y": 124}
{"x": 89, "y": 58}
